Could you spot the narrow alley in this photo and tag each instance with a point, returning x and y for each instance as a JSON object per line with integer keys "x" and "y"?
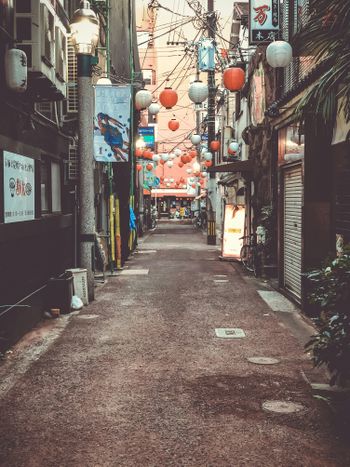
{"x": 140, "y": 378}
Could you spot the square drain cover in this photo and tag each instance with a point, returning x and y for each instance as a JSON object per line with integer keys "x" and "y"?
{"x": 229, "y": 333}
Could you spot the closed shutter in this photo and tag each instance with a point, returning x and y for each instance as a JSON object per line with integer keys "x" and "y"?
{"x": 293, "y": 201}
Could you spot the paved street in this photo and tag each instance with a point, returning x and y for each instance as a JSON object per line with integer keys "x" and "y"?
{"x": 139, "y": 377}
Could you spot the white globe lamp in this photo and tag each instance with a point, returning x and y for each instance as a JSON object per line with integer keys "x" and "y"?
{"x": 154, "y": 108}
{"x": 170, "y": 164}
{"x": 208, "y": 156}
{"x": 198, "y": 92}
{"x": 195, "y": 139}
{"x": 279, "y": 54}
{"x": 143, "y": 99}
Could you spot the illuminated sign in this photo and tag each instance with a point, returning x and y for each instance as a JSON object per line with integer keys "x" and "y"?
{"x": 148, "y": 136}
{"x": 233, "y": 231}
{"x": 264, "y": 21}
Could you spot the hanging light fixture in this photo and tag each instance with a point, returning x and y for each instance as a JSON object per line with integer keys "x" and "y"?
{"x": 208, "y": 156}
{"x": 172, "y": 156}
{"x": 170, "y": 164}
{"x": 208, "y": 163}
{"x": 143, "y": 99}
{"x": 154, "y": 108}
{"x": 180, "y": 164}
{"x": 198, "y": 92}
{"x": 148, "y": 154}
{"x": 234, "y": 78}
{"x": 177, "y": 152}
{"x": 165, "y": 157}
{"x": 195, "y": 139}
{"x": 156, "y": 157}
{"x": 138, "y": 152}
{"x": 149, "y": 166}
{"x": 279, "y": 54}
{"x": 138, "y": 167}
{"x": 168, "y": 98}
{"x": 173, "y": 124}
{"x": 193, "y": 153}
{"x": 189, "y": 170}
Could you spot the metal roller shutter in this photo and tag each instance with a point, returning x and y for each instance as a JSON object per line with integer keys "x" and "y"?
{"x": 293, "y": 201}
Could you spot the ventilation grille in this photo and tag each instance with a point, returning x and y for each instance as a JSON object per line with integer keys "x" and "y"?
{"x": 73, "y": 163}
{"x": 72, "y": 89}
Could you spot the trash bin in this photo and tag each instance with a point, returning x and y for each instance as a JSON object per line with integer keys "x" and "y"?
{"x": 80, "y": 283}
{"x": 59, "y": 293}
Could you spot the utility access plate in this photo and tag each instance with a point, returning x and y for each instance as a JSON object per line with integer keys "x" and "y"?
{"x": 230, "y": 333}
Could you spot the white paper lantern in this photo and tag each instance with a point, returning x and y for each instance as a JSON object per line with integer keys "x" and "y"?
{"x": 189, "y": 171}
{"x": 198, "y": 92}
{"x": 166, "y": 179}
{"x": 168, "y": 184}
{"x": 172, "y": 156}
{"x": 177, "y": 152}
{"x": 143, "y": 99}
{"x": 16, "y": 70}
{"x": 172, "y": 180}
{"x": 154, "y": 108}
{"x": 170, "y": 164}
{"x": 195, "y": 139}
{"x": 233, "y": 146}
{"x": 184, "y": 186}
{"x": 208, "y": 156}
{"x": 279, "y": 54}
{"x": 156, "y": 157}
{"x": 165, "y": 157}
{"x": 204, "y": 174}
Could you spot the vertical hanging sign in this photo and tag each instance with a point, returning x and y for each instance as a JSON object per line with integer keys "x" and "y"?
{"x": 264, "y": 21}
{"x": 112, "y": 123}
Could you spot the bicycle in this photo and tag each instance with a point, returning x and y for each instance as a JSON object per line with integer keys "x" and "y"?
{"x": 199, "y": 221}
{"x": 250, "y": 254}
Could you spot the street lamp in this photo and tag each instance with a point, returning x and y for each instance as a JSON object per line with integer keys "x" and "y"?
{"x": 84, "y": 37}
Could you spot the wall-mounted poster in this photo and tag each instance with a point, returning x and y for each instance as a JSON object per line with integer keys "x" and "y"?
{"x": 112, "y": 123}
{"x": 233, "y": 231}
{"x": 264, "y": 21}
{"x": 19, "y": 187}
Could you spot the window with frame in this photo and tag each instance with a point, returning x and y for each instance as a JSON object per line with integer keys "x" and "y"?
{"x": 50, "y": 187}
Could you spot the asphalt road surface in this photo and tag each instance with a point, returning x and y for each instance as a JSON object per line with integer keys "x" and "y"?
{"x": 140, "y": 378}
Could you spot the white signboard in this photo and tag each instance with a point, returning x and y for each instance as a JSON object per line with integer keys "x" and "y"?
{"x": 112, "y": 123}
{"x": 18, "y": 188}
{"x": 264, "y": 21}
{"x": 233, "y": 231}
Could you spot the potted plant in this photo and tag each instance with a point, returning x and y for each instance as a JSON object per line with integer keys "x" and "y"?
{"x": 330, "y": 346}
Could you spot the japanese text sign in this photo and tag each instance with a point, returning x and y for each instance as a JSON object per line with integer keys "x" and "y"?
{"x": 264, "y": 21}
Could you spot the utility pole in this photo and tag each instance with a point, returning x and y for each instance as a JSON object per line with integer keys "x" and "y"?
{"x": 211, "y": 233}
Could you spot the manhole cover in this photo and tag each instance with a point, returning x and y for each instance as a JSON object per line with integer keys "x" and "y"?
{"x": 263, "y": 360}
{"x": 87, "y": 316}
{"x": 229, "y": 333}
{"x": 284, "y": 407}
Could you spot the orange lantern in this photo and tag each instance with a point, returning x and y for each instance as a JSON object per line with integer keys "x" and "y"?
{"x": 138, "y": 167}
{"x": 188, "y": 158}
{"x": 162, "y": 162}
{"x": 215, "y": 145}
{"x": 139, "y": 152}
{"x": 180, "y": 164}
{"x": 208, "y": 163}
{"x": 147, "y": 154}
{"x": 168, "y": 98}
{"x": 173, "y": 124}
{"x": 193, "y": 153}
{"x": 234, "y": 79}
{"x": 149, "y": 166}
{"x": 182, "y": 180}
{"x": 232, "y": 152}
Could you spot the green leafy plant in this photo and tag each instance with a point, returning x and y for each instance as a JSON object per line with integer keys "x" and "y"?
{"x": 331, "y": 345}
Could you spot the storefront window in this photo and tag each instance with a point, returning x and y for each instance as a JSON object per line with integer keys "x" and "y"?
{"x": 45, "y": 187}
{"x": 290, "y": 143}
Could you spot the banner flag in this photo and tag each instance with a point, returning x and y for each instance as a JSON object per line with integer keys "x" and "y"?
{"x": 112, "y": 123}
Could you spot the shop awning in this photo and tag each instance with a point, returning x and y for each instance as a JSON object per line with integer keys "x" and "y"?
{"x": 239, "y": 166}
{"x": 174, "y": 193}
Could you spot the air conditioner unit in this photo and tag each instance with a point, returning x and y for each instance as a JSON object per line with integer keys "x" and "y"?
{"x": 42, "y": 36}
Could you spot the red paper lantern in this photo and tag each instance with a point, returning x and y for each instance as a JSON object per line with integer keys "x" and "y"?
{"x": 149, "y": 166}
{"x": 208, "y": 163}
{"x": 215, "y": 145}
{"x": 180, "y": 164}
{"x": 139, "y": 152}
{"x": 147, "y": 154}
{"x": 193, "y": 153}
{"x": 188, "y": 158}
{"x": 184, "y": 159}
{"x": 230, "y": 151}
{"x": 173, "y": 124}
{"x": 162, "y": 162}
{"x": 168, "y": 98}
{"x": 138, "y": 167}
{"x": 182, "y": 180}
{"x": 234, "y": 79}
